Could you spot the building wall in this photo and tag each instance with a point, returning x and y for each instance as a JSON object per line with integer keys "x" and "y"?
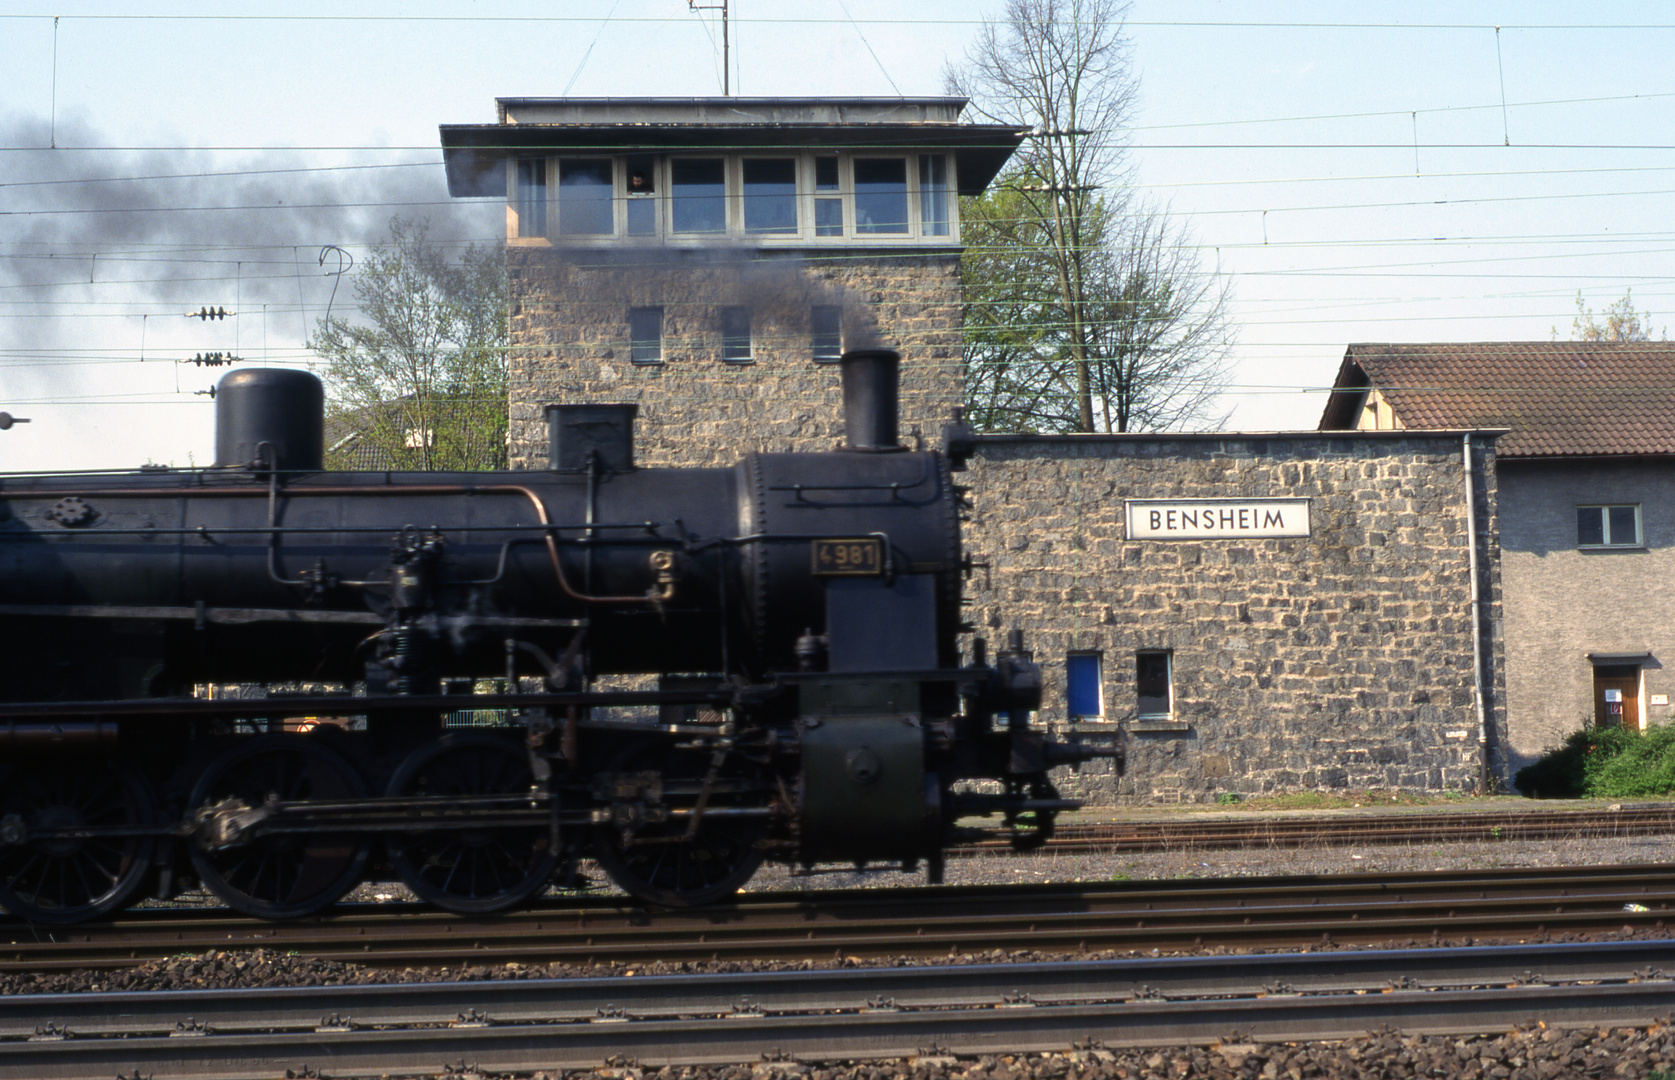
{"x": 1340, "y": 660}
{"x": 1563, "y": 603}
{"x": 570, "y": 343}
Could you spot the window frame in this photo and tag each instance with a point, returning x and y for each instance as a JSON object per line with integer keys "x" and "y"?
{"x": 815, "y": 334}
{"x": 1097, "y": 656}
{"x": 556, "y": 201}
{"x": 524, "y": 202}
{"x": 634, "y": 342}
{"x": 806, "y": 200}
{"x": 1608, "y": 541}
{"x": 1168, "y": 656}
{"x": 728, "y": 340}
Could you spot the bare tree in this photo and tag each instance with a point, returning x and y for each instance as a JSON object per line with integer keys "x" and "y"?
{"x": 420, "y": 380}
{"x": 1085, "y": 310}
{"x": 1622, "y": 322}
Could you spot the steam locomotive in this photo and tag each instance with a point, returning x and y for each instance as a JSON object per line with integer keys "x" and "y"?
{"x": 275, "y": 680}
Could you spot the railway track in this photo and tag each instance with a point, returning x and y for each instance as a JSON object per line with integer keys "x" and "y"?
{"x": 821, "y": 1015}
{"x": 1251, "y": 913}
{"x": 1220, "y": 834}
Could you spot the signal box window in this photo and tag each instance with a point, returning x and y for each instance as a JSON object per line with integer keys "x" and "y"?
{"x": 880, "y": 195}
{"x": 645, "y": 331}
{"x": 735, "y": 335}
{"x": 584, "y": 197}
{"x": 641, "y": 182}
{"x": 1608, "y": 526}
{"x": 770, "y": 195}
{"x": 1154, "y": 692}
{"x": 828, "y": 203}
{"x": 826, "y": 321}
{"x": 1083, "y": 696}
{"x": 933, "y": 194}
{"x": 532, "y": 196}
{"x": 698, "y": 195}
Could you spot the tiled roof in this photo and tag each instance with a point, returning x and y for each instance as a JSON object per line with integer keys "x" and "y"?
{"x": 1560, "y": 398}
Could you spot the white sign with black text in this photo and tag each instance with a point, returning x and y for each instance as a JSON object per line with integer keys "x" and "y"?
{"x": 1216, "y": 519}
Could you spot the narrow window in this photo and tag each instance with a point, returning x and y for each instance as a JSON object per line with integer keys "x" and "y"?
{"x": 532, "y": 196}
{"x": 1608, "y": 526}
{"x": 826, "y": 322}
{"x": 880, "y": 195}
{"x": 735, "y": 335}
{"x": 697, "y": 190}
{"x": 828, "y": 205}
{"x": 933, "y": 194}
{"x": 641, "y": 183}
{"x": 584, "y": 197}
{"x": 1153, "y": 697}
{"x": 645, "y": 332}
{"x": 770, "y": 195}
{"x": 1083, "y": 697}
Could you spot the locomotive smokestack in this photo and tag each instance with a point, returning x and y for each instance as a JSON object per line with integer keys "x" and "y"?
{"x": 270, "y": 418}
{"x": 869, "y": 399}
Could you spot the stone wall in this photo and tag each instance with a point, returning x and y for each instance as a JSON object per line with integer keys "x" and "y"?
{"x": 1339, "y": 660}
{"x": 570, "y": 343}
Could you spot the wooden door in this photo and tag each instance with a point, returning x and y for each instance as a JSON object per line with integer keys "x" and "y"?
{"x": 1617, "y": 696}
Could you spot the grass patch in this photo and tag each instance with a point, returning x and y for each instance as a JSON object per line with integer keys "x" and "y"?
{"x": 1604, "y": 763}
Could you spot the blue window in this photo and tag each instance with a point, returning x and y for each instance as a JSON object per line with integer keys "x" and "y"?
{"x": 1084, "y": 699}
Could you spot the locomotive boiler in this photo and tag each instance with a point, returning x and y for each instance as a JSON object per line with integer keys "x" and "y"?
{"x": 276, "y": 680}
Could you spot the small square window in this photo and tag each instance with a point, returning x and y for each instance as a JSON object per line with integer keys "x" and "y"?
{"x": 1083, "y": 697}
{"x": 1153, "y": 685}
{"x": 735, "y": 335}
{"x": 1608, "y": 526}
{"x": 645, "y": 332}
{"x": 826, "y": 323}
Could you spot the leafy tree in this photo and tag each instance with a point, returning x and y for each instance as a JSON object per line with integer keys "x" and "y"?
{"x": 419, "y": 381}
{"x": 1621, "y": 322}
{"x": 1087, "y": 310}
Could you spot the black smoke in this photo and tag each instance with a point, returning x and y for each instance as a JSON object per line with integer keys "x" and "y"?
{"x": 103, "y": 250}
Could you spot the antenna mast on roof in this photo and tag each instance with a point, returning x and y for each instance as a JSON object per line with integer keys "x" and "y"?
{"x": 726, "y": 82}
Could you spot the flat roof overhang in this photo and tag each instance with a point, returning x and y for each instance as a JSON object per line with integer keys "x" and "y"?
{"x": 474, "y": 153}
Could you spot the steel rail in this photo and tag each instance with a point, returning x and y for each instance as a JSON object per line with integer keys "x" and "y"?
{"x": 512, "y": 1026}
{"x": 1343, "y": 829}
{"x": 303, "y": 1008}
{"x": 1295, "y": 911}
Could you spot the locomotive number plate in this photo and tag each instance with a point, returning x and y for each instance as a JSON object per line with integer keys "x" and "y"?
{"x": 854, "y": 557}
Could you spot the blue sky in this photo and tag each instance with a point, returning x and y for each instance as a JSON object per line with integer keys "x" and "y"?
{"x": 1363, "y": 172}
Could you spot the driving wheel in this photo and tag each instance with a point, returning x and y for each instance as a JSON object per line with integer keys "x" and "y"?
{"x": 280, "y": 875}
{"x": 68, "y": 879}
{"x": 668, "y": 863}
{"x": 479, "y": 868}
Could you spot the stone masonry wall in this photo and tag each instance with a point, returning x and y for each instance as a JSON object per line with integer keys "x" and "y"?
{"x": 1340, "y": 660}
{"x": 570, "y": 343}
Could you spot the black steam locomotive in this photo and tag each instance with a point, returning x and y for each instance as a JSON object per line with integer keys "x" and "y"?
{"x": 276, "y": 680}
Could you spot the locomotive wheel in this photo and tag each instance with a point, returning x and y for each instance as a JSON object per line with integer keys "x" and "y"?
{"x": 472, "y": 871}
{"x": 53, "y": 880}
{"x": 658, "y": 863}
{"x": 283, "y": 875}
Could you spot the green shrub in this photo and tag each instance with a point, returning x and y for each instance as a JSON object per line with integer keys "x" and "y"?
{"x": 1645, "y": 766}
{"x": 1604, "y": 763}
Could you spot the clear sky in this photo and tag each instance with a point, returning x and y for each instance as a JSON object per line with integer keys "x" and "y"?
{"x": 1398, "y": 171}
